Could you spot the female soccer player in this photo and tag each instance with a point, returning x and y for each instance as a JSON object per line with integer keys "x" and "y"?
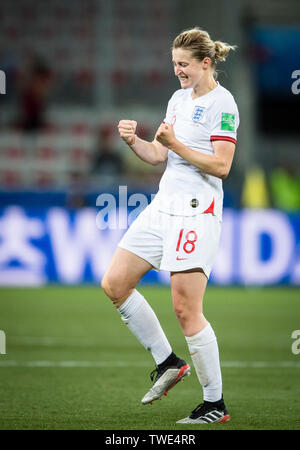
{"x": 179, "y": 231}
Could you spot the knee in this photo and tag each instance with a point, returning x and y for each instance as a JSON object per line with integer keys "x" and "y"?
{"x": 181, "y": 309}
{"x": 114, "y": 288}
{"x": 105, "y": 286}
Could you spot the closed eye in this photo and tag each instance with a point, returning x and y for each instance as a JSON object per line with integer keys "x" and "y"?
{"x": 181, "y": 64}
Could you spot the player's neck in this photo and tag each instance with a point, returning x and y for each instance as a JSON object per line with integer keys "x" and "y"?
{"x": 204, "y": 88}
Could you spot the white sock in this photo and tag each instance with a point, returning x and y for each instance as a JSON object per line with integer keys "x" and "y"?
{"x": 142, "y": 321}
{"x": 204, "y": 351}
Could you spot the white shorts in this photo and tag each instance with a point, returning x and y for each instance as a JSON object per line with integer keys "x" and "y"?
{"x": 174, "y": 243}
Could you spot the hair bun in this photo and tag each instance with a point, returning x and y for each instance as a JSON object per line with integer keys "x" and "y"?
{"x": 222, "y": 49}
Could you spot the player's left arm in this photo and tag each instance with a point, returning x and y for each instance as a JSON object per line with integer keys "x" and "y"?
{"x": 218, "y": 164}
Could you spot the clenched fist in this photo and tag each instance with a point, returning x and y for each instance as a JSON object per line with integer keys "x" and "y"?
{"x": 165, "y": 135}
{"x": 127, "y": 131}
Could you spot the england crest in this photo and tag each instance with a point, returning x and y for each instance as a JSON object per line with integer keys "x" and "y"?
{"x": 198, "y": 114}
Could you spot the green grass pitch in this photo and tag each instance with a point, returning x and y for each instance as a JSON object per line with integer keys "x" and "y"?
{"x": 71, "y": 363}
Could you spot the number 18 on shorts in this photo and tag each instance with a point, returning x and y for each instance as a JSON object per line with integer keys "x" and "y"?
{"x": 191, "y": 242}
{"x": 174, "y": 243}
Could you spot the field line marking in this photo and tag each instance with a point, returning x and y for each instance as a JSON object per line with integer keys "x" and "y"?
{"x": 50, "y": 340}
{"x": 108, "y": 364}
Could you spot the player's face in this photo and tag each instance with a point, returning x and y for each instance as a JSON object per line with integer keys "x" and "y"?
{"x": 189, "y": 70}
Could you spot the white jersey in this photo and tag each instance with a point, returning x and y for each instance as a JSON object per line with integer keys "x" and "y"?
{"x": 185, "y": 189}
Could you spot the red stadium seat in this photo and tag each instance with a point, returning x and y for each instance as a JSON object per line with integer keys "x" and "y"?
{"x": 44, "y": 179}
{"x": 14, "y": 153}
{"x": 11, "y": 179}
{"x": 80, "y": 128}
{"x": 46, "y": 153}
{"x": 79, "y": 155}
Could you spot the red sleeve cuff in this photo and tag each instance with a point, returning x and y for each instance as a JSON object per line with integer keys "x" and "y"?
{"x": 223, "y": 138}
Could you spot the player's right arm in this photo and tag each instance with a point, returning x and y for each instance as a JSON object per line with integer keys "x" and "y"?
{"x": 151, "y": 152}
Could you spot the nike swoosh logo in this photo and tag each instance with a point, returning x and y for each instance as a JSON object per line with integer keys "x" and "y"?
{"x": 180, "y": 259}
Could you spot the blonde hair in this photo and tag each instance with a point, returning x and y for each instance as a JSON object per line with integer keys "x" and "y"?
{"x": 201, "y": 45}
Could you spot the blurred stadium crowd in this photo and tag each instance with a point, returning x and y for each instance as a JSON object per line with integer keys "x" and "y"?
{"x": 75, "y": 68}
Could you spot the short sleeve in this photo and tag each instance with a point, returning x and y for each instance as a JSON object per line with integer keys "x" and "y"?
{"x": 168, "y": 116}
{"x": 224, "y": 120}
{"x": 170, "y": 108}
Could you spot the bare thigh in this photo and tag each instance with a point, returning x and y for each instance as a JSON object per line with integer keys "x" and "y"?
{"x": 188, "y": 288}
{"x": 123, "y": 274}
